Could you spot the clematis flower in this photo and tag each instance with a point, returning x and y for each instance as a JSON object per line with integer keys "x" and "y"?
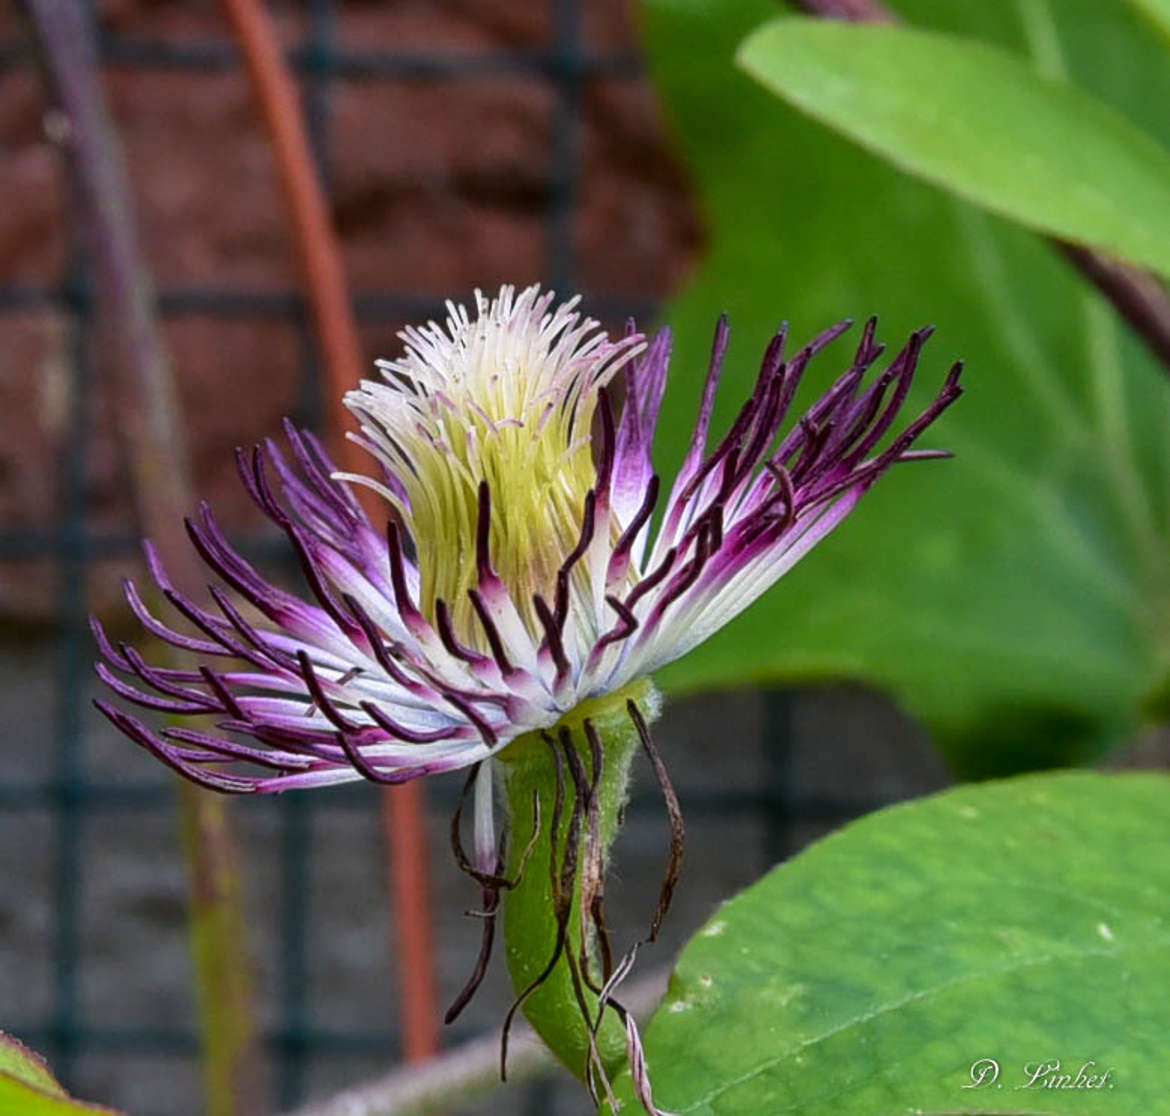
{"x": 521, "y": 577}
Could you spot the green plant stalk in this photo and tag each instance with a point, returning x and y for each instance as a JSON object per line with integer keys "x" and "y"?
{"x": 530, "y": 923}
{"x": 217, "y": 934}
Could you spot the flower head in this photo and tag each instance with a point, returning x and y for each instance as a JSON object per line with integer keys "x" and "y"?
{"x": 520, "y": 574}
{"x": 520, "y": 587}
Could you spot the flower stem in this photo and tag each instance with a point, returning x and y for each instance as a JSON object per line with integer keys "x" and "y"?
{"x": 231, "y": 1073}
{"x": 530, "y": 770}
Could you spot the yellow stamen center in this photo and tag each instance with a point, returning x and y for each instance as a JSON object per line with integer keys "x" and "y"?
{"x": 508, "y": 397}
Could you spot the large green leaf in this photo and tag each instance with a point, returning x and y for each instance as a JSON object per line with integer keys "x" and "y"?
{"x": 1017, "y": 596}
{"x": 980, "y": 121}
{"x": 27, "y": 1088}
{"x": 1021, "y": 921}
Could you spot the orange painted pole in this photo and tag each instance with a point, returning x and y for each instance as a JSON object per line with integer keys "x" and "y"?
{"x": 403, "y": 807}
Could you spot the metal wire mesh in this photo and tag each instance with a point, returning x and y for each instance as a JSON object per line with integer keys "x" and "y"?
{"x": 73, "y": 799}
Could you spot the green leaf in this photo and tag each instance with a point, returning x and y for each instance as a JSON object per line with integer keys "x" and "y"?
{"x": 21, "y": 1099}
{"x": 1019, "y": 921}
{"x": 27, "y": 1066}
{"x": 1018, "y": 597}
{"x": 981, "y": 122}
{"x": 28, "y": 1088}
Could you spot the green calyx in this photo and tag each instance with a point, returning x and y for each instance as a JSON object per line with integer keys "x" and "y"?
{"x": 558, "y": 857}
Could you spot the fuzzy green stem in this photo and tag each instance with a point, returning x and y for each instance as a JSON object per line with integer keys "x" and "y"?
{"x": 530, "y": 919}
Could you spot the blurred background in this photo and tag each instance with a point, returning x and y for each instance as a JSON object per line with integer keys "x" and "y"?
{"x": 462, "y": 144}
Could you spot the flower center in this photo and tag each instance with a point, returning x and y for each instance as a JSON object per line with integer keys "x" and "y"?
{"x": 507, "y": 397}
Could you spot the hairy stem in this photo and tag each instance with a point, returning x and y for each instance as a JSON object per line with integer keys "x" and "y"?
{"x": 531, "y": 924}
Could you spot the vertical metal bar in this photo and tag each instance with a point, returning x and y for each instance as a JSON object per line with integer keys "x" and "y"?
{"x": 296, "y": 813}
{"x": 777, "y": 740}
{"x": 297, "y": 809}
{"x": 540, "y": 1097}
{"x": 560, "y": 248}
{"x": 71, "y": 668}
{"x": 296, "y": 846}
{"x": 76, "y": 307}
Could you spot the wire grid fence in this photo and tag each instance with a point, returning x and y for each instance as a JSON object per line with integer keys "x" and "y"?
{"x": 72, "y": 797}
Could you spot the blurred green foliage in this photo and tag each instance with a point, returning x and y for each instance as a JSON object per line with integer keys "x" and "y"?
{"x": 1016, "y": 598}
{"x": 1157, "y": 12}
